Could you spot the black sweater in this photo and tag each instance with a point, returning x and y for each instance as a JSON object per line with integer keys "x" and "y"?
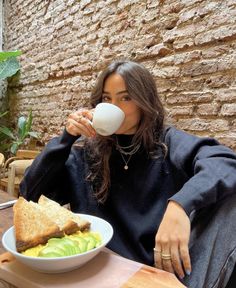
{"x": 196, "y": 173}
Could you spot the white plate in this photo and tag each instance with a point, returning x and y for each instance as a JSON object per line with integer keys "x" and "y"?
{"x": 61, "y": 264}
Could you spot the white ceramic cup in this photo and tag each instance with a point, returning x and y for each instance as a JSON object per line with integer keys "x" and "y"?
{"x": 107, "y": 118}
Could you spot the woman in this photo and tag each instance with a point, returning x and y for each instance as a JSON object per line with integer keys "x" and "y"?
{"x": 153, "y": 183}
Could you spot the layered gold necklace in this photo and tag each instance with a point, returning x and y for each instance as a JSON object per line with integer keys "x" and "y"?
{"x": 127, "y": 151}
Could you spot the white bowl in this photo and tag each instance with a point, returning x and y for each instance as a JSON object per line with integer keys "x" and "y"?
{"x": 61, "y": 264}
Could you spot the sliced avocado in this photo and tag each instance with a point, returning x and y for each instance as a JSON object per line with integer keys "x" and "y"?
{"x": 51, "y": 252}
{"x": 82, "y": 243}
{"x": 73, "y": 245}
{"x": 91, "y": 242}
{"x": 98, "y": 243}
{"x": 69, "y": 246}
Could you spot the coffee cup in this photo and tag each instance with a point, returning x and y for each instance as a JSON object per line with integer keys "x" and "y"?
{"x": 107, "y": 119}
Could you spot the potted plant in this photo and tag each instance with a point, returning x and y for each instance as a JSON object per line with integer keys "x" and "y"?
{"x": 9, "y": 64}
{"x": 14, "y": 139}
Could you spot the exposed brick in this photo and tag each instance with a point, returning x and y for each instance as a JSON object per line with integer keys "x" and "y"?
{"x": 159, "y": 50}
{"x": 225, "y": 95}
{"x": 189, "y": 46}
{"x": 167, "y": 72}
{"x": 223, "y": 80}
{"x": 228, "y": 109}
{"x": 185, "y": 33}
{"x": 207, "y": 109}
{"x": 216, "y": 51}
{"x": 199, "y": 68}
{"x": 191, "y": 2}
{"x": 188, "y": 97}
{"x": 220, "y": 33}
{"x": 228, "y": 140}
{"x": 191, "y": 84}
{"x": 198, "y": 124}
{"x": 181, "y": 111}
{"x": 219, "y": 125}
{"x": 195, "y": 124}
{"x": 180, "y": 58}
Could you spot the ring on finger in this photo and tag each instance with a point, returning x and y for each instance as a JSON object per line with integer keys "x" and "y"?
{"x": 165, "y": 256}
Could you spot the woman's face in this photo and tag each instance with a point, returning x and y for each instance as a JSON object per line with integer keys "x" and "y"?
{"x": 114, "y": 92}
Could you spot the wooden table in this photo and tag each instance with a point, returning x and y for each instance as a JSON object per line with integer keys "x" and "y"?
{"x": 106, "y": 270}
{"x": 6, "y": 216}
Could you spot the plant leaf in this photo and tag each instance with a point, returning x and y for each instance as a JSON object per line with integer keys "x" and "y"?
{"x": 14, "y": 148}
{"x": 3, "y": 114}
{"x": 3, "y": 137}
{"x": 29, "y": 121}
{"x": 33, "y": 134}
{"x": 4, "y": 147}
{"x": 8, "y": 67}
{"x": 22, "y": 127}
{"x": 7, "y": 132}
{"x": 7, "y": 54}
{"x": 21, "y": 122}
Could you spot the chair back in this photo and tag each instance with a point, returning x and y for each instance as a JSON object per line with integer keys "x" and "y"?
{"x": 2, "y": 158}
{"x": 14, "y": 168}
{"x": 27, "y": 154}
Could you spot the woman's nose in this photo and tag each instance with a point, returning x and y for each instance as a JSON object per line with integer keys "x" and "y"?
{"x": 115, "y": 102}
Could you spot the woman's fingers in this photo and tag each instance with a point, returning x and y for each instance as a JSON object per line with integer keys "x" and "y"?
{"x": 79, "y": 123}
{"x": 170, "y": 257}
{"x": 176, "y": 260}
{"x": 157, "y": 257}
{"x": 184, "y": 254}
{"x": 172, "y": 240}
{"x": 87, "y": 113}
{"x": 76, "y": 129}
{"x": 85, "y": 123}
{"x": 166, "y": 256}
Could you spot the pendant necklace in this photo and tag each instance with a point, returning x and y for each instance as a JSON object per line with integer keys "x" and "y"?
{"x": 126, "y": 167}
{"x": 127, "y": 151}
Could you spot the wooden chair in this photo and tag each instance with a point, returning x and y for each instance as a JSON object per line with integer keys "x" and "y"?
{"x": 2, "y": 159}
{"x": 14, "y": 169}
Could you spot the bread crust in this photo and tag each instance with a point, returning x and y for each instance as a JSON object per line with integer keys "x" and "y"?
{"x": 65, "y": 219}
{"x": 32, "y": 227}
{"x": 36, "y": 223}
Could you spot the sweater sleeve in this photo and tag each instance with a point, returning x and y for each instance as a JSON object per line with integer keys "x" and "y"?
{"x": 211, "y": 169}
{"x": 47, "y": 174}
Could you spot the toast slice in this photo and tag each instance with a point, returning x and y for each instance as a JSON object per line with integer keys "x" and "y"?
{"x": 32, "y": 227}
{"x": 65, "y": 219}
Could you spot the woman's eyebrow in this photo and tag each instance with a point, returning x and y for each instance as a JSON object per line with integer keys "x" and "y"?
{"x": 118, "y": 93}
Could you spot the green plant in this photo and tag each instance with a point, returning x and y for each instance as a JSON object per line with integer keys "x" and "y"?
{"x": 3, "y": 145}
{"x": 12, "y": 140}
{"x": 9, "y": 64}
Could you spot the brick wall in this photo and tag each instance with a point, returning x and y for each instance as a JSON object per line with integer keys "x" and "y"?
{"x": 189, "y": 46}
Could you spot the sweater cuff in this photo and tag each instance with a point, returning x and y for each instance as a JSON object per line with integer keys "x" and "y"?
{"x": 184, "y": 203}
{"x": 68, "y": 138}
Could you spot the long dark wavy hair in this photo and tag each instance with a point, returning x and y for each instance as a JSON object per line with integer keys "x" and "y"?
{"x": 141, "y": 88}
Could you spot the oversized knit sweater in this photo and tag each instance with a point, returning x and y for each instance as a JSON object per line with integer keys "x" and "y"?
{"x": 196, "y": 173}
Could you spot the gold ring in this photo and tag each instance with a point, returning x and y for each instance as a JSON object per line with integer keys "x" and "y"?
{"x": 165, "y": 256}
{"x": 155, "y": 250}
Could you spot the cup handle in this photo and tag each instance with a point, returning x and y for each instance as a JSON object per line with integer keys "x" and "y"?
{"x": 90, "y": 122}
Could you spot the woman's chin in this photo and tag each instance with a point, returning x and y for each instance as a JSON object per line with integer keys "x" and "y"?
{"x": 129, "y": 131}
{"x": 120, "y": 132}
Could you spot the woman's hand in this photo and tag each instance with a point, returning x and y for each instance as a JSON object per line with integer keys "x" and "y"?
{"x": 79, "y": 123}
{"x": 171, "y": 251}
